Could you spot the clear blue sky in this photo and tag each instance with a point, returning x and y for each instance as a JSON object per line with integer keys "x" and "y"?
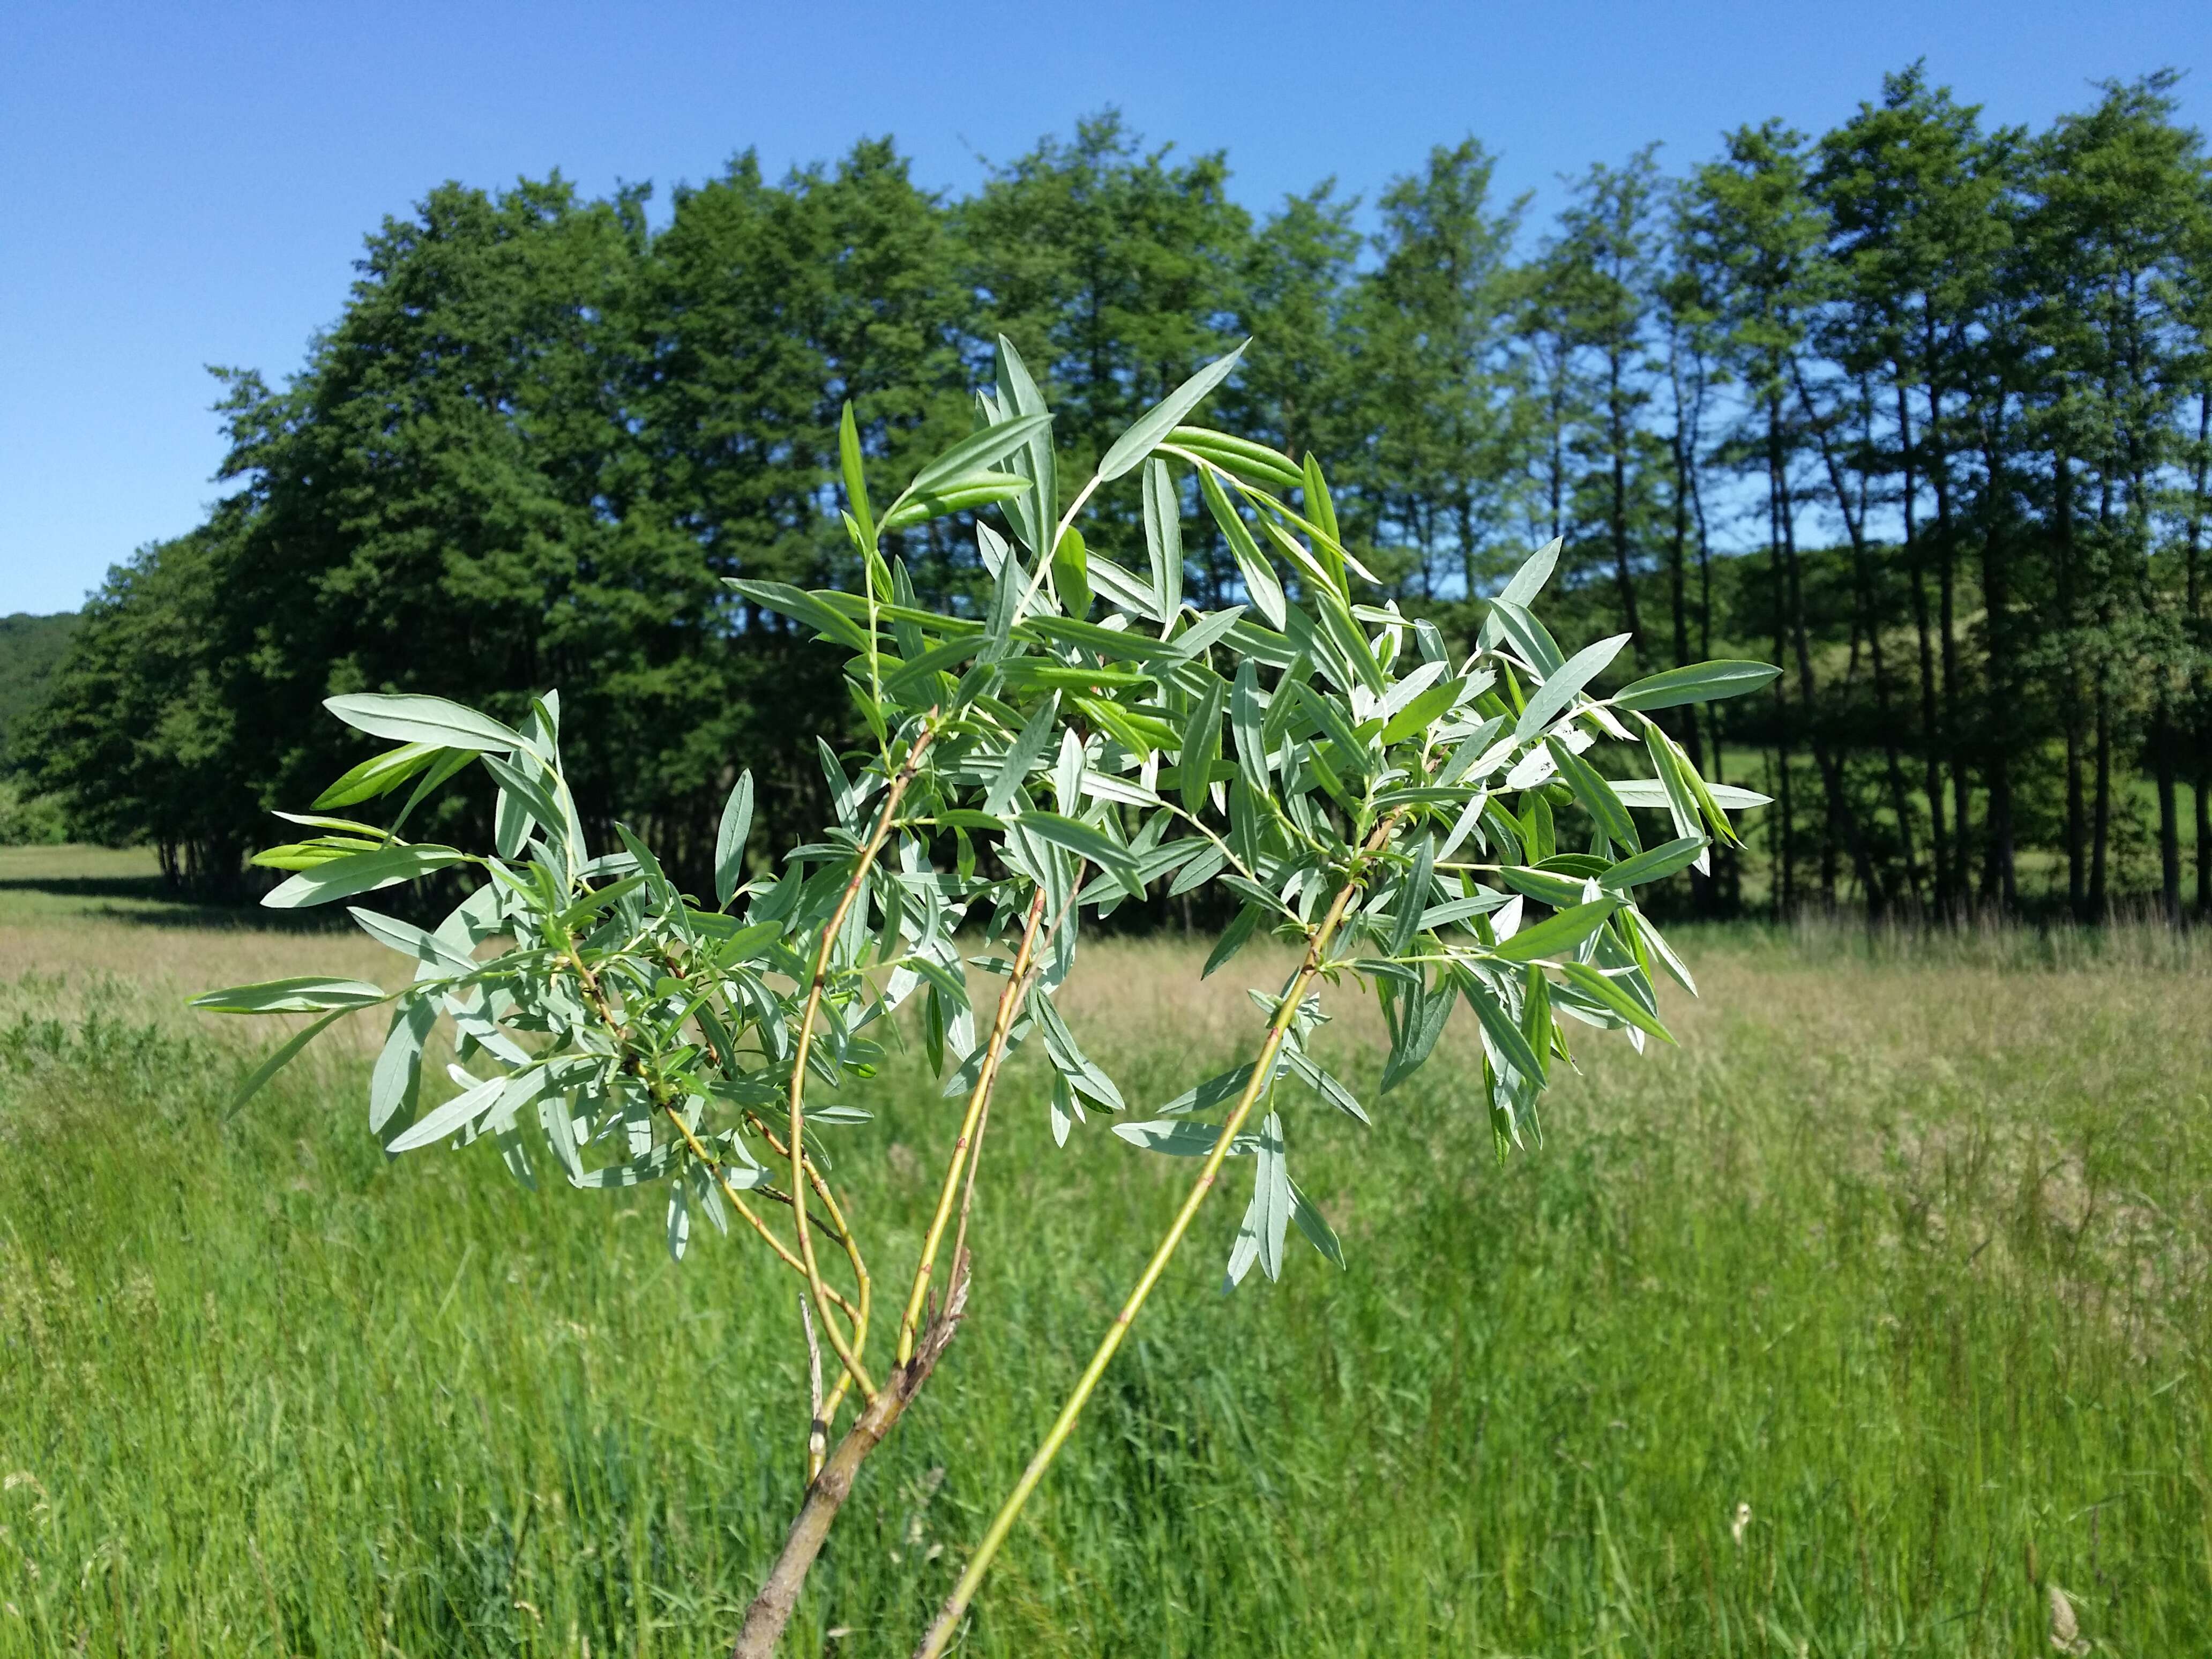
{"x": 190, "y": 184}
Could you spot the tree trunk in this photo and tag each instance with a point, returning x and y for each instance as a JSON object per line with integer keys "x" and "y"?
{"x": 1617, "y": 525}
{"x": 2169, "y": 823}
{"x": 2077, "y": 874}
{"x": 772, "y": 1608}
{"x": 2101, "y": 836}
{"x": 1701, "y": 881}
{"x": 1939, "y": 479}
{"x": 1785, "y": 892}
{"x": 2000, "y": 878}
{"x": 1932, "y": 769}
{"x": 1868, "y": 621}
{"x": 2193, "y": 590}
{"x": 1842, "y": 821}
{"x": 1728, "y": 866}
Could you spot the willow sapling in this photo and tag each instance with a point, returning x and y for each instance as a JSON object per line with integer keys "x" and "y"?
{"x": 1359, "y": 789}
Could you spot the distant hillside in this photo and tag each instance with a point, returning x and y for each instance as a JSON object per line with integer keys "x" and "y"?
{"x": 30, "y": 646}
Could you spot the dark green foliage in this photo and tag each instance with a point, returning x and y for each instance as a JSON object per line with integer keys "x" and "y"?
{"x": 1946, "y": 388}
{"x": 30, "y": 649}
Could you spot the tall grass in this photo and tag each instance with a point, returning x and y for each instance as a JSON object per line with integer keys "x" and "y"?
{"x": 1906, "y": 1251}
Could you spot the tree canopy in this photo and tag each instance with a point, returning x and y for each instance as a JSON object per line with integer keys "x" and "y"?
{"x": 1919, "y": 408}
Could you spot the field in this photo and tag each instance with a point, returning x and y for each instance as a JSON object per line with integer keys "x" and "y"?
{"x": 1906, "y": 1248}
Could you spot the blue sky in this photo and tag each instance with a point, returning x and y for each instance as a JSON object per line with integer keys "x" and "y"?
{"x": 190, "y": 184}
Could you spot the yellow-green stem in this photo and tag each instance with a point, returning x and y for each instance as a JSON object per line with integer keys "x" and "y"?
{"x": 1009, "y": 1002}
{"x": 948, "y": 1618}
{"x": 848, "y": 1355}
{"x": 720, "y": 1172}
{"x": 591, "y": 984}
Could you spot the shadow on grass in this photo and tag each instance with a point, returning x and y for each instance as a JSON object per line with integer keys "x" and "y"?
{"x": 89, "y": 887}
{"x": 149, "y": 901}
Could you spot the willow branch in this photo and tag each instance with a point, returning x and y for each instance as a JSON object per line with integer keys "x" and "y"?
{"x": 978, "y": 1101}
{"x": 600, "y": 1007}
{"x": 848, "y": 1354}
{"x": 721, "y": 1172}
{"x": 948, "y": 1618}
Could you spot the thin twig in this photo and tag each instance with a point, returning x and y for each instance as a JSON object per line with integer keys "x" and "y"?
{"x": 948, "y": 1619}
{"x": 978, "y": 1101}
{"x": 817, "y": 1428}
{"x": 961, "y": 1264}
{"x": 721, "y": 1172}
{"x": 848, "y": 1355}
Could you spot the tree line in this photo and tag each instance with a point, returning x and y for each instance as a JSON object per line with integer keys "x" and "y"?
{"x": 1919, "y": 408}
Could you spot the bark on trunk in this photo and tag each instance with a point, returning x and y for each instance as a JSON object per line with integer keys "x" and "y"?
{"x": 772, "y": 1608}
{"x": 1869, "y": 622}
{"x": 2169, "y": 823}
{"x": 1842, "y": 821}
{"x": 2077, "y": 873}
{"x": 1931, "y": 746}
{"x": 1939, "y": 479}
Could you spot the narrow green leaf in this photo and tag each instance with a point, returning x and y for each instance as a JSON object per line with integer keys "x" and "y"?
{"x": 1164, "y": 538}
{"x": 1121, "y": 588}
{"x": 412, "y": 717}
{"x": 526, "y": 788}
{"x": 1201, "y": 635}
{"x": 1233, "y": 938}
{"x": 1562, "y": 686}
{"x": 730, "y": 840}
{"x": 1510, "y": 1041}
{"x": 1529, "y": 581}
{"x": 1201, "y": 744}
{"x": 1179, "y": 1137}
{"x": 1555, "y": 934}
{"x": 1343, "y": 632}
{"x": 964, "y": 494}
{"x": 1033, "y": 513}
{"x": 1245, "y": 720}
{"x": 977, "y": 452}
{"x": 1259, "y": 579}
{"x": 856, "y": 479}
{"x": 1424, "y": 707}
{"x": 1322, "y": 511}
{"x": 1315, "y": 1226}
{"x": 1426, "y": 1013}
{"x": 1239, "y": 456}
{"x": 1413, "y": 898}
{"x": 308, "y": 995}
{"x": 1526, "y": 634}
{"x": 278, "y": 1061}
{"x": 1546, "y": 886}
{"x": 1086, "y": 842}
{"x": 801, "y": 607}
{"x": 380, "y": 775}
{"x": 1071, "y": 572}
{"x": 1596, "y": 793}
{"x": 1151, "y": 427}
{"x": 1603, "y": 987}
{"x": 1027, "y": 749}
{"x": 393, "y": 1083}
{"x": 1697, "y": 682}
{"x": 360, "y": 872}
{"x": 439, "y": 1121}
{"x": 404, "y": 936}
{"x": 1657, "y": 864}
{"x": 1536, "y": 1018}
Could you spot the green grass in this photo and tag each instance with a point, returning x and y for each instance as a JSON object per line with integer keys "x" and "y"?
{"x": 1906, "y": 1248}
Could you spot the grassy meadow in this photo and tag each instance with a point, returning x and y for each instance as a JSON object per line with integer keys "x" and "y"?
{"x": 1905, "y": 1248}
